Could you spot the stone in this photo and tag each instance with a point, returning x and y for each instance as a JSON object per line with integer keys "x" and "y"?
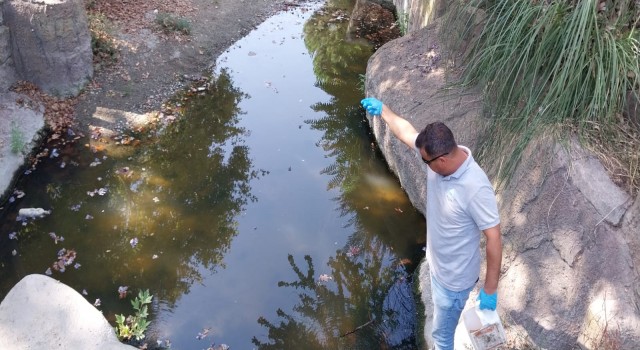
{"x": 5, "y": 49}
{"x": 7, "y": 76}
{"x": 42, "y": 313}
{"x": 51, "y": 44}
{"x": 7, "y": 71}
{"x": 592, "y": 179}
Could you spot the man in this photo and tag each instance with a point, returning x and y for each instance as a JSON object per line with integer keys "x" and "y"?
{"x": 460, "y": 203}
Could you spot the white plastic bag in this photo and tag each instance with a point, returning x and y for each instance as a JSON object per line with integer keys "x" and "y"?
{"x": 484, "y": 328}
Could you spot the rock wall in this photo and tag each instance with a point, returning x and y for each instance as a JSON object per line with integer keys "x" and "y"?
{"x": 571, "y": 255}
{"x": 50, "y": 44}
{"x": 7, "y": 71}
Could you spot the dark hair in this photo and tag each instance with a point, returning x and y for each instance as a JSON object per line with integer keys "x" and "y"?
{"x": 436, "y": 139}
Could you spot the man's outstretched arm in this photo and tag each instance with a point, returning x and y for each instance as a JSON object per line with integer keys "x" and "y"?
{"x": 399, "y": 126}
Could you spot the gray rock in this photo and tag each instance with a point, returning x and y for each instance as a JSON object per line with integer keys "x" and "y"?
{"x": 51, "y": 44}
{"x": 5, "y": 50}
{"x": 591, "y": 178}
{"x": 7, "y": 71}
{"x": 42, "y": 313}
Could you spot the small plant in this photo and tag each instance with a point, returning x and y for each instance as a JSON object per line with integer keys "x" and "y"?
{"x": 136, "y": 325}
{"x": 17, "y": 139}
{"x": 171, "y": 23}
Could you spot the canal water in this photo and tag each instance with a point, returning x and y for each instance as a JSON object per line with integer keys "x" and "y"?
{"x": 262, "y": 216}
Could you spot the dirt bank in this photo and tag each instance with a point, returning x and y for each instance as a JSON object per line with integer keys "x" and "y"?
{"x": 154, "y": 63}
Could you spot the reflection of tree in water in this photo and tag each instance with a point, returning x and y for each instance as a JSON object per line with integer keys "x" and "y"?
{"x": 202, "y": 173}
{"x": 360, "y": 307}
{"x": 368, "y": 303}
{"x": 337, "y": 66}
{"x": 346, "y": 134}
{"x": 336, "y": 61}
{"x": 177, "y": 195}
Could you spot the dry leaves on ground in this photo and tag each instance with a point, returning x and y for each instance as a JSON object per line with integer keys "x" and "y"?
{"x": 58, "y": 112}
{"x": 131, "y": 13}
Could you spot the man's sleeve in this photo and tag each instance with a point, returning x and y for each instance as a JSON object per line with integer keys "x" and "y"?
{"x": 483, "y": 208}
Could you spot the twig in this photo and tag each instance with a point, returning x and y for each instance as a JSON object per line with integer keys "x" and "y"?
{"x": 357, "y": 328}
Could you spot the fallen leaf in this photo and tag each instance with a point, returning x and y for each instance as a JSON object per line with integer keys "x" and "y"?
{"x": 324, "y": 278}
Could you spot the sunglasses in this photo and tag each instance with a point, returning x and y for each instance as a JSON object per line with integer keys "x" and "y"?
{"x": 427, "y": 162}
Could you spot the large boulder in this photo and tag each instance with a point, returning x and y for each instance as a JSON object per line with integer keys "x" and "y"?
{"x": 571, "y": 257}
{"x": 51, "y": 44}
{"x": 42, "y": 313}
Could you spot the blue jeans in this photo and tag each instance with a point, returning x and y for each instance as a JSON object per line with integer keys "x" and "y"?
{"x": 447, "y": 307}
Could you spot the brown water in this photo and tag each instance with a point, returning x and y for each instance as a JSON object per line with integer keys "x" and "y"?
{"x": 264, "y": 215}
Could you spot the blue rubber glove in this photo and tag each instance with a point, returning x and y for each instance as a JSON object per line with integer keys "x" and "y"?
{"x": 372, "y": 105}
{"x": 488, "y": 301}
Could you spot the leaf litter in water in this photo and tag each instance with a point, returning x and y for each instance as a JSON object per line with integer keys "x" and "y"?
{"x": 56, "y": 238}
{"x": 122, "y": 291}
{"x": 203, "y": 334}
{"x": 324, "y": 278}
{"x": 65, "y": 258}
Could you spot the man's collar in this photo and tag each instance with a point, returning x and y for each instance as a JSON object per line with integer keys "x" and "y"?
{"x": 463, "y": 167}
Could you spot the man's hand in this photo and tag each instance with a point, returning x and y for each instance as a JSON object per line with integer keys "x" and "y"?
{"x": 488, "y": 301}
{"x": 372, "y": 105}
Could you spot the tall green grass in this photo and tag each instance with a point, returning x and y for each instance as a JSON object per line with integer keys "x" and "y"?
{"x": 546, "y": 65}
